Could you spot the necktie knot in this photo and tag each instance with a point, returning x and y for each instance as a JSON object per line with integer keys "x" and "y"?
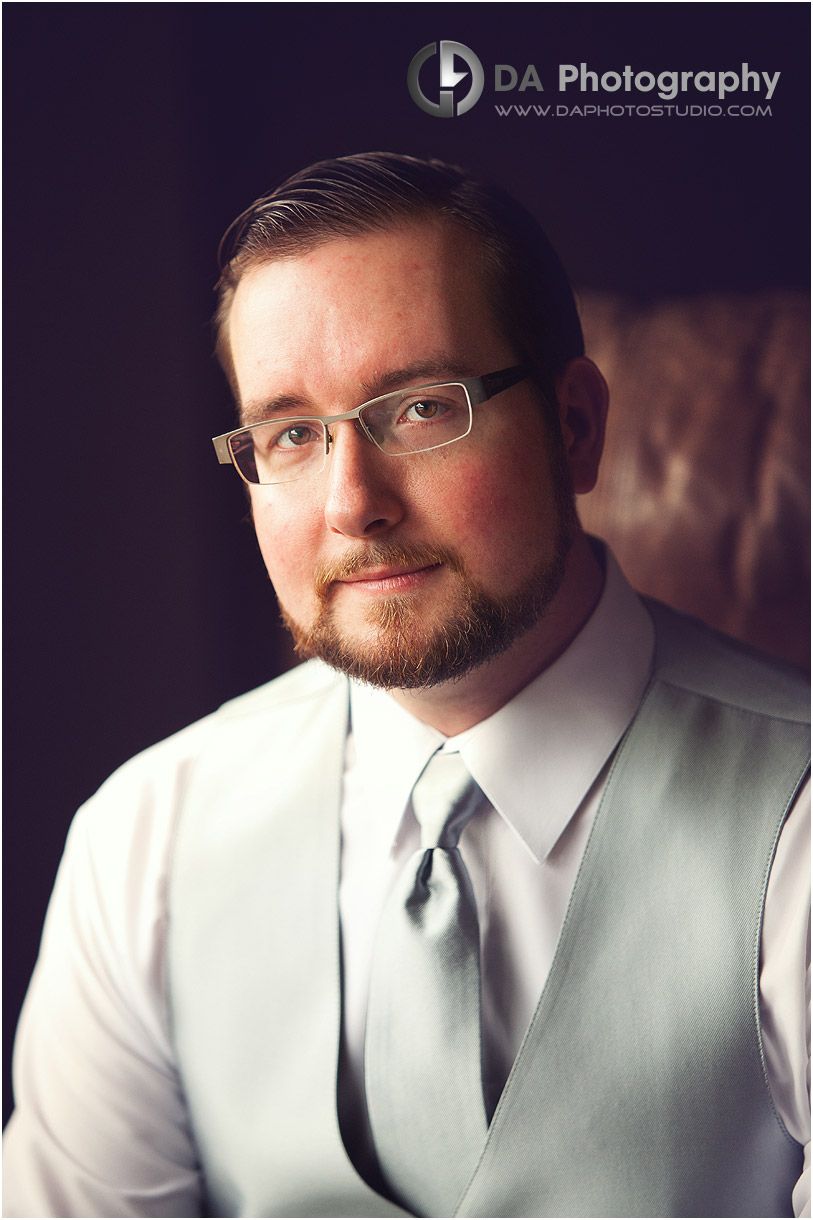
{"x": 444, "y": 799}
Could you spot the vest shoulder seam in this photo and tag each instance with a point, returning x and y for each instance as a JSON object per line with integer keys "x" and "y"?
{"x": 736, "y": 705}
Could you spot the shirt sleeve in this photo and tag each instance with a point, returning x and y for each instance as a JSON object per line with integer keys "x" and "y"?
{"x": 100, "y": 1127}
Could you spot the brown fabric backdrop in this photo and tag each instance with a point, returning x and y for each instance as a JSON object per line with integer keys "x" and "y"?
{"x": 704, "y": 489}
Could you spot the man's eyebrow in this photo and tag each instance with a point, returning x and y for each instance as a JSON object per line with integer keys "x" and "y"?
{"x": 281, "y": 406}
{"x": 438, "y": 368}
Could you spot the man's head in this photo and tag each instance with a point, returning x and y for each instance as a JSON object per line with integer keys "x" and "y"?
{"x": 378, "y": 273}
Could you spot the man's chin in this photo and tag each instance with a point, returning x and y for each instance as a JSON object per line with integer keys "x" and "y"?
{"x": 399, "y": 652}
{"x": 395, "y": 653}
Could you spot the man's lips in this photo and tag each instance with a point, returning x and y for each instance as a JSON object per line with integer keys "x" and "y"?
{"x": 388, "y": 579}
{"x": 379, "y": 574}
{"x": 384, "y": 568}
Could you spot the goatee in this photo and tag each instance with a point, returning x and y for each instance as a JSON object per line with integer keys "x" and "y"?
{"x": 402, "y": 651}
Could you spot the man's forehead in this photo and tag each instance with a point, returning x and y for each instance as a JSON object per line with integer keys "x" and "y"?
{"x": 420, "y": 246}
{"x": 419, "y": 270}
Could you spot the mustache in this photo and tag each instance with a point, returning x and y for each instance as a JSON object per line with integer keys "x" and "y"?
{"x": 383, "y": 555}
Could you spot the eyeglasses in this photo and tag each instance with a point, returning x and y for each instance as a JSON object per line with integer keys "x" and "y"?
{"x": 408, "y": 421}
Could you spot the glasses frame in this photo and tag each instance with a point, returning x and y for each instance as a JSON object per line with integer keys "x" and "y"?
{"x": 478, "y": 390}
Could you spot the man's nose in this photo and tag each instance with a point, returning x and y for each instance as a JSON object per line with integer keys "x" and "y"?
{"x": 362, "y": 497}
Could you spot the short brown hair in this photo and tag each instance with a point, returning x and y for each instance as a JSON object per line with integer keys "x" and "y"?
{"x": 530, "y": 293}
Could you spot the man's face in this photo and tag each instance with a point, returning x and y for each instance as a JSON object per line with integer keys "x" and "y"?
{"x": 407, "y": 570}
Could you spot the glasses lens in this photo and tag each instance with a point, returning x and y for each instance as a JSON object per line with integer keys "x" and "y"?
{"x": 412, "y": 420}
{"x": 279, "y": 451}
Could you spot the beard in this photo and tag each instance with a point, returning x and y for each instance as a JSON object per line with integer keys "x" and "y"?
{"x": 401, "y": 651}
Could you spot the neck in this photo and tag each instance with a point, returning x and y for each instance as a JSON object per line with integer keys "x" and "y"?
{"x": 453, "y": 707}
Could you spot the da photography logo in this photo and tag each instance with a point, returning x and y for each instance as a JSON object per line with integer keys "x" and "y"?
{"x": 446, "y": 79}
{"x": 449, "y": 76}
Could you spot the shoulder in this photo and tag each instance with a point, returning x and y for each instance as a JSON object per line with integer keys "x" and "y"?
{"x": 142, "y": 799}
{"x": 692, "y": 656}
{"x": 292, "y": 695}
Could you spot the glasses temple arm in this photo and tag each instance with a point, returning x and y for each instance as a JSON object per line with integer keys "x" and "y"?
{"x": 495, "y": 383}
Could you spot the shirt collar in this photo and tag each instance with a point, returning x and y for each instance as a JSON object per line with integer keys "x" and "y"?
{"x": 536, "y": 758}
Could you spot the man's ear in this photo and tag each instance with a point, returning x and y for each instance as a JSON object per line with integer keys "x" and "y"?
{"x": 583, "y": 400}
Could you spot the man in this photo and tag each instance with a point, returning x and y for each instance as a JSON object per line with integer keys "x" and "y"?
{"x": 271, "y": 982}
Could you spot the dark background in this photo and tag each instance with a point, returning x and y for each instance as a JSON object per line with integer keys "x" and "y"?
{"x": 135, "y": 598}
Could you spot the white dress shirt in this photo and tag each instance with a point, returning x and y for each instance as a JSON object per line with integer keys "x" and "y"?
{"x": 94, "y": 1058}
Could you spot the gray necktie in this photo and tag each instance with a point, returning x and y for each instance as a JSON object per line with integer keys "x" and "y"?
{"x": 422, "y": 1050}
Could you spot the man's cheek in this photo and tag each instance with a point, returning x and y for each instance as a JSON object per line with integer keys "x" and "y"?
{"x": 292, "y": 577}
{"x": 284, "y": 542}
{"x": 477, "y": 503}
{"x": 289, "y": 570}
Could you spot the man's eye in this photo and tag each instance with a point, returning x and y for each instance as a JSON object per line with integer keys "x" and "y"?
{"x": 295, "y": 436}
{"x": 424, "y": 409}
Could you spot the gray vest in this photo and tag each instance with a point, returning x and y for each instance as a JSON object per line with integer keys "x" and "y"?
{"x": 640, "y": 1087}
